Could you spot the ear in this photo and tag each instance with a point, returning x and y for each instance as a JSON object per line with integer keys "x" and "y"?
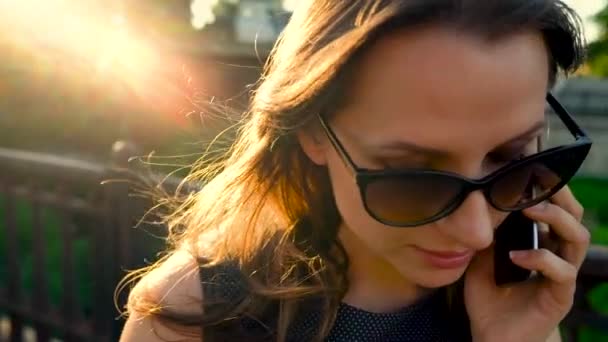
{"x": 313, "y": 145}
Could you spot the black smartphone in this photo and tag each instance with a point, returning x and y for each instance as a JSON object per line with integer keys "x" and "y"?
{"x": 516, "y": 232}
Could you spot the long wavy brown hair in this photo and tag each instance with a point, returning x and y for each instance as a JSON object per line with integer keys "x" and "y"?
{"x": 265, "y": 206}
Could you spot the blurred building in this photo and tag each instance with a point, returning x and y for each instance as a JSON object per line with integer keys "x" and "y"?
{"x": 587, "y": 99}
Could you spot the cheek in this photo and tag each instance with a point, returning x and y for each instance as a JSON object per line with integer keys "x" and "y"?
{"x": 498, "y": 217}
{"x": 346, "y": 193}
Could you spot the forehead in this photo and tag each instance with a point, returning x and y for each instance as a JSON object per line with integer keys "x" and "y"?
{"x": 441, "y": 88}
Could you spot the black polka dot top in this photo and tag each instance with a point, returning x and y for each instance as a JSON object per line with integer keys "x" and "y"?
{"x": 423, "y": 321}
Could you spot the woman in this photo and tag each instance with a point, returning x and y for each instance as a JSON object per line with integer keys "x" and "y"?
{"x": 320, "y": 224}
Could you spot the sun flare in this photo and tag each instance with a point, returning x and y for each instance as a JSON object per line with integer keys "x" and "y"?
{"x": 91, "y": 33}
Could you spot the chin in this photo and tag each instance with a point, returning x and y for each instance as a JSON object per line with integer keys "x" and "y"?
{"x": 434, "y": 278}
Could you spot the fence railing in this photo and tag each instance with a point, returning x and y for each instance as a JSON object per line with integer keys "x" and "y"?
{"x": 68, "y": 240}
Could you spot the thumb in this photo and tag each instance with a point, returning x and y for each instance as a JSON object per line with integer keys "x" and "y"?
{"x": 482, "y": 265}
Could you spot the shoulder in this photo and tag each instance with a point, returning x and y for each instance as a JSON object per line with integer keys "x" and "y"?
{"x": 174, "y": 286}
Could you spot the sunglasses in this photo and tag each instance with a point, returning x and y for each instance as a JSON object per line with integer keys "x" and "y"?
{"x": 414, "y": 197}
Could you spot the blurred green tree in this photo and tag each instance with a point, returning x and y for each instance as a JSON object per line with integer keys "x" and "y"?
{"x": 598, "y": 50}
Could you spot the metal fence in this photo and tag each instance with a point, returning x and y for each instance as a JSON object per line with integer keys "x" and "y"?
{"x": 95, "y": 243}
{"x": 69, "y": 193}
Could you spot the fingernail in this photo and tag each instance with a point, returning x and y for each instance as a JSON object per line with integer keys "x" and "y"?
{"x": 518, "y": 254}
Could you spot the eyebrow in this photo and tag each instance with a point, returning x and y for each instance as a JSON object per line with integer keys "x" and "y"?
{"x": 417, "y": 149}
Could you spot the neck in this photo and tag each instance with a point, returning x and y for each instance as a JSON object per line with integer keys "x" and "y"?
{"x": 374, "y": 284}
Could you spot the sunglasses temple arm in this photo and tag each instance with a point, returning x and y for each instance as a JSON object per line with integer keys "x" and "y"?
{"x": 348, "y": 162}
{"x": 566, "y": 117}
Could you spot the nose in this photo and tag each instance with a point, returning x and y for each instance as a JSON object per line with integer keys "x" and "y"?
{"x": 471, "y": 223}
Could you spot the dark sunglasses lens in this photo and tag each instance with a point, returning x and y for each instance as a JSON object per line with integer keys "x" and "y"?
{"x": 536, "y": 180}
{"x": 407, "y": 200}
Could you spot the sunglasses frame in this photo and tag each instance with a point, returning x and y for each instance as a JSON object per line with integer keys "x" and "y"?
{"x": 364, "y": 177}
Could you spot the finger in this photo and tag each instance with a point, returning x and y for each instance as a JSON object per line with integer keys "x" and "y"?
{"x": 559, "y": 275}
{"x": 574, "y": 237}
{"x": 547, "y": 239}
{"x": 565, "y": 199}
{"x": 483, "y": 265}
{"x": 562, "y": 275}
{"x": 565, "y": 226}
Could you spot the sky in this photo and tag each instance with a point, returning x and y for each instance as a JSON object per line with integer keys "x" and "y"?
{"x": 585, "y": 9}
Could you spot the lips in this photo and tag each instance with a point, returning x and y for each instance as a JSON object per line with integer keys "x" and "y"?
{"x": 445, "y": 259}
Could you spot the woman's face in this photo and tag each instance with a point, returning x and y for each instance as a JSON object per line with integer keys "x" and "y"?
{"x": 440, "y": 99}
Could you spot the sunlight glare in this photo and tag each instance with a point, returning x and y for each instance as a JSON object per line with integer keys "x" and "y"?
{"x": 88, "y": 33}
